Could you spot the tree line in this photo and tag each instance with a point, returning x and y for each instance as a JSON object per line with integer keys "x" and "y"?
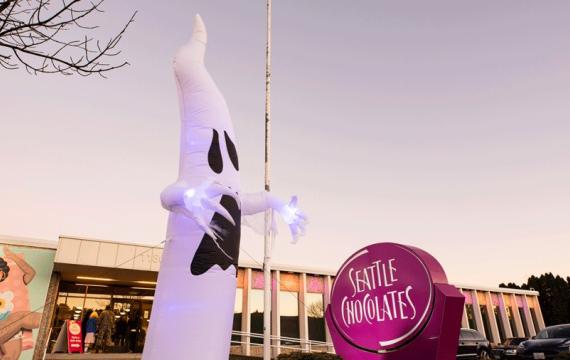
{"x": 554, "y": 296}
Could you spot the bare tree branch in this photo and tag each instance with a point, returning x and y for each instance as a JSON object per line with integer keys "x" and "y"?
{"x": 34, "y": 35}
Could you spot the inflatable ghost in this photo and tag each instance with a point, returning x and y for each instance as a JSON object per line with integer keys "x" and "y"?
{"x": 193, "y": 306}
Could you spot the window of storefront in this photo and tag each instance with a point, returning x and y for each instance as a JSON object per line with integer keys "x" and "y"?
{"x": 470, "y": 316}
{"x": 535, "y": 320}
{"x": 256, "y": 315}
{"x": 314, "y": 303}
{"x": 315, "y": 315}
{"x": 500, "y": 324}
{"x": 289, "y": 307}
{"x": 289, "y": 316}
{"x": 524, "y": 321}
{"x": 486, "y": 323}
{"x": 237, "y": 314}
{"x": 512, "y": 323}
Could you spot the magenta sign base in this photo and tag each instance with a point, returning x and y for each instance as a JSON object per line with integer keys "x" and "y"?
{"x": 393, "y": 302}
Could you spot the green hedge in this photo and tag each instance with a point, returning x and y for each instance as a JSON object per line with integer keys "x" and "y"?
{"x": 308, "y": 356}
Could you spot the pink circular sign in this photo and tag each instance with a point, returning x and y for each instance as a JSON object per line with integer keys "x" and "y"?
{"x": 382, "y": 297}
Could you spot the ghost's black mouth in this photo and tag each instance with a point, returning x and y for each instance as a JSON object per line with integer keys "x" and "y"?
{"x": 223, "y": 252}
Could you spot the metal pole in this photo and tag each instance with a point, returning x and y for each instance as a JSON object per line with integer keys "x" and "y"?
{"x": 268, "y": 213}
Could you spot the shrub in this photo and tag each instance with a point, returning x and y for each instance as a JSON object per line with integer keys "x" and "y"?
{"x": 308, "y": 356}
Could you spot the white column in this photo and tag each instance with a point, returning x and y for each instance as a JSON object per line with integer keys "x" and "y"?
{"x": 517, "y": 316}
{"x": 246, "y": 313}
{"x": 477, "y": 313}
{"x": 492, "y": 319}
{"x": 275, "y": 312}
{"x": 464, "y": 319}
{"x": 303, "y": 319}
{"x": 528, "y": 316}
{"x": 505, "y": 316}
{"x": 326, "y": 303}
{"x": 538, "y": 311}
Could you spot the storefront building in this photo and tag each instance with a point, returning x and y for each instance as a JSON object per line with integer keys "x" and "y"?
{"x": 93, "y": 274}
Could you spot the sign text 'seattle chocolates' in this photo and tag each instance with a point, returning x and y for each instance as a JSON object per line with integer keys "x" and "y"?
{"x": 384, "y": 290}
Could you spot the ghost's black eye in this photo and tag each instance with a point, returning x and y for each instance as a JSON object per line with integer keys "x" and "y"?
{"x": 232, "y": 152}
{"x": 215, "y": 155}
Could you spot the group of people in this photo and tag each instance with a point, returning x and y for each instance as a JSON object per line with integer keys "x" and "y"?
{"x": 101, "y": 330}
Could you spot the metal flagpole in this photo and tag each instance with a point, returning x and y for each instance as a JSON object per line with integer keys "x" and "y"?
{"x": 268, "y": 213}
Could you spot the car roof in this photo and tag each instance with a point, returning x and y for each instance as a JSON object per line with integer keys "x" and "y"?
{"x": 560, "y": 326}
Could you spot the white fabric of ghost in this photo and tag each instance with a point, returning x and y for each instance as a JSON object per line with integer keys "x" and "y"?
{"x": 192, "y": 314}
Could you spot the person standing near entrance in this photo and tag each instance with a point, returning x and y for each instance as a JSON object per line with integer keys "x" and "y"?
{"x": 121, "y": 329}
{"x": 105, "y": 329}
{"x": 86, "y": 315}
{"x": 90, "y": 330}
{"x": 133, "y": 328}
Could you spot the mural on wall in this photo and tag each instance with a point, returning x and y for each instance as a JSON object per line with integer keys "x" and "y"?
{"x": 24, "y": 278}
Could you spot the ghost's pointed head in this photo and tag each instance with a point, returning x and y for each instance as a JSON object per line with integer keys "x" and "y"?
{"x": 207, "y": 126}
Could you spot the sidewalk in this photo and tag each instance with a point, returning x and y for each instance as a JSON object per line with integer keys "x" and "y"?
{"x": 90, "y": 356}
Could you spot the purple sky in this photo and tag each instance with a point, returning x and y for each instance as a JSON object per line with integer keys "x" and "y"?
{"x": 442, "y": 124}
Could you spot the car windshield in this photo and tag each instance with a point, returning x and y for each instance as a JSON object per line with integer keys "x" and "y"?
{"x": 559, "y": 333}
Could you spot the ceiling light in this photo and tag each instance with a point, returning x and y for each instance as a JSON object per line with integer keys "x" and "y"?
{"x": 94, "y": 278}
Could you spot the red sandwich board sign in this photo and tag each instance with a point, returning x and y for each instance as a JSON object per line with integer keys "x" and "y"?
{"x": 74, "y": 338}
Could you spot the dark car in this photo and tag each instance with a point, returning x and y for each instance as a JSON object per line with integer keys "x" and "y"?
{"x": 473, "y": 345}
{"x": 508, "y": 349}
{"x": 548, "y": 344}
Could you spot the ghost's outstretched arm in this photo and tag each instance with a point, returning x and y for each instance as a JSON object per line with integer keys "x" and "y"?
{"x": 195, "y": 202}
{"x": 258, "y": 202}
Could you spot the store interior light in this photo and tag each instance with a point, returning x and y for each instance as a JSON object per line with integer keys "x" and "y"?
{"x": 94, "y": 278}
{"x": 141, "y": 288}
{"x": 92, "y": 285}
{"x": 146, "y": 282}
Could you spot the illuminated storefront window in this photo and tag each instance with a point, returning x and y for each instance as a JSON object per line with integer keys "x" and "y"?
{"x": 520, "y": 306}
{"x": 315, "y": 315}
{"x": 238, "y": 307}
{"x": 500, "y": 324}
{"x": 314, "y": 303}
{"x": 535, "y": 320}
{"x": 524, "y": 322}
{"x": 483, "y": 303}
{"x": 512, "y": 321}
{"x": 495, "y": 298}
{"x": 486, "y": 322}
{"x": 289, "y": 308}
{"x": 131, "y": 305}
{"x": 256, "y": 306}
{"x": 237, "y": 314}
